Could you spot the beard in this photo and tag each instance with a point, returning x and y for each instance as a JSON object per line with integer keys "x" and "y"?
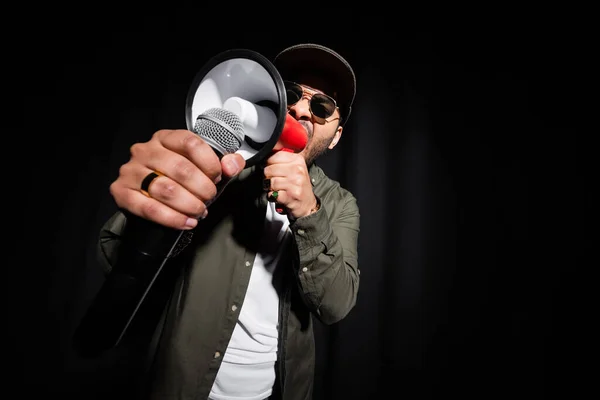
{"x": 314, "y": 149}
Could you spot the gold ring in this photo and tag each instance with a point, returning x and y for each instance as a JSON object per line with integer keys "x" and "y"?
{"x": 145, "y": 187}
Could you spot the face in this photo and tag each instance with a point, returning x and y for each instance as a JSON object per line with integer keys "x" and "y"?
{"x": 323, "y": 135}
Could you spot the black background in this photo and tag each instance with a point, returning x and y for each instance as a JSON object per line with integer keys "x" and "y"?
{"x": 464, "y": 152}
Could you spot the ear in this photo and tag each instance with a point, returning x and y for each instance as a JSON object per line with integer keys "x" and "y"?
{"x": 336, "y": 137}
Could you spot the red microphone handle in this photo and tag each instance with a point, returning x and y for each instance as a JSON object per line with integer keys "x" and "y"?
{"x": 293, "y": 136}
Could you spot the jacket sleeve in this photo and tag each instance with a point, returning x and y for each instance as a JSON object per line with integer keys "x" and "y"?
{"x": 327, "y": 271}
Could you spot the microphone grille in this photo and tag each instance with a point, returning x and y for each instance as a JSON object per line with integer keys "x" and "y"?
{"x": 222, "y": 129}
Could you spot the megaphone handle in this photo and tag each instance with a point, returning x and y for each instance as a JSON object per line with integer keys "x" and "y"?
{"x": 278, "y": 207}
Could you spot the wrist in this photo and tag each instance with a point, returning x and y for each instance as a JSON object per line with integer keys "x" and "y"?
{"x": 316, "y": 207}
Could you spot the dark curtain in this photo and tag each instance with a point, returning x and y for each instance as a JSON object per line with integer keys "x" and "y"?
{"x": 464, "y": 152}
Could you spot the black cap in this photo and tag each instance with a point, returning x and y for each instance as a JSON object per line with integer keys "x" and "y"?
{"x": 300, "y": 61}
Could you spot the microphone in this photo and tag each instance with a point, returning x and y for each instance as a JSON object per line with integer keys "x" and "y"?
{"x": 144, "y": 250}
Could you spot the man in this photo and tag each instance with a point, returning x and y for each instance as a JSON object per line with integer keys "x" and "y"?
{"x": 238, "y": 324}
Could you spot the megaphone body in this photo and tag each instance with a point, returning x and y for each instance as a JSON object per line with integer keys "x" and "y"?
{"x": 236, "y": 103}
{"x": 247, "y": 84}
{"x": 257, "y": 120}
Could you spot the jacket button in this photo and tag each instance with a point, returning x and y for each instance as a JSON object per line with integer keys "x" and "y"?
{"x": 217, "y": 354}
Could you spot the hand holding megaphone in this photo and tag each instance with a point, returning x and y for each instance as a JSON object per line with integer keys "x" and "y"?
{"x": 293, "y": 138}
{"x": 286, "y": 175}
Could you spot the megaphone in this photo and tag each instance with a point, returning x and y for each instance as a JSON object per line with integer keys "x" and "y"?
{"x": 248, "y": 85}
{"x": 238, "y": 94}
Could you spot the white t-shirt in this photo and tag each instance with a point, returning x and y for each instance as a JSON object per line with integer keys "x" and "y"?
{"x": 248, "y": 368}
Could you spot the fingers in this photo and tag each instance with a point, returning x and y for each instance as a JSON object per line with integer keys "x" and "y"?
{"x": 287, "y": 176}
{"x": 232, "y": 164}
{"x": 177, "y": 196}
{"x": 185, "y": 157}
{"x": 188, "y": 172}
{"x": 276, "y": 197}
{"x": 282, "y": 189}
{"x": 287, "y": 183}
{"x": 287, "y": 193}
{"x": 280, "y": 157}
{"x": 286, "y": 172}
{"x": 147, "y": 207}
{"x": 279, "y": 197}
{"x": 195, "y": 154}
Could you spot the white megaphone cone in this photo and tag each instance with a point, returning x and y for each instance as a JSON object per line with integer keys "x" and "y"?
{"x": 259, "y": 122}
{"x": 247, "y": 84}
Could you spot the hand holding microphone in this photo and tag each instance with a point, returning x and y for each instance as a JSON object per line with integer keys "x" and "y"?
{"x": 167, "y": 184}
{"x": 187, "y": 172}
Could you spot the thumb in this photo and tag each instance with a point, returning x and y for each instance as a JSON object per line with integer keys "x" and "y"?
{"x": 232, "y": 164}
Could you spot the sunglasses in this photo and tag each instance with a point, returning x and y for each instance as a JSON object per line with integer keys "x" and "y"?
{"x": 321, "y": 106}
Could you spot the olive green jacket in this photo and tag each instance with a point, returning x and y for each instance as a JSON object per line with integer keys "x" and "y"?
{"x": 319, "y": 275}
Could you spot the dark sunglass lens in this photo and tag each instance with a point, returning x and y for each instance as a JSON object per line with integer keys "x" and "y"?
{"x": 322, "y": 106}
{"x": 293, "y": 93}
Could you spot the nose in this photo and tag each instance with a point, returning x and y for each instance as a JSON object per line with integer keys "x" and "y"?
{"x": 301, "y": 110}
